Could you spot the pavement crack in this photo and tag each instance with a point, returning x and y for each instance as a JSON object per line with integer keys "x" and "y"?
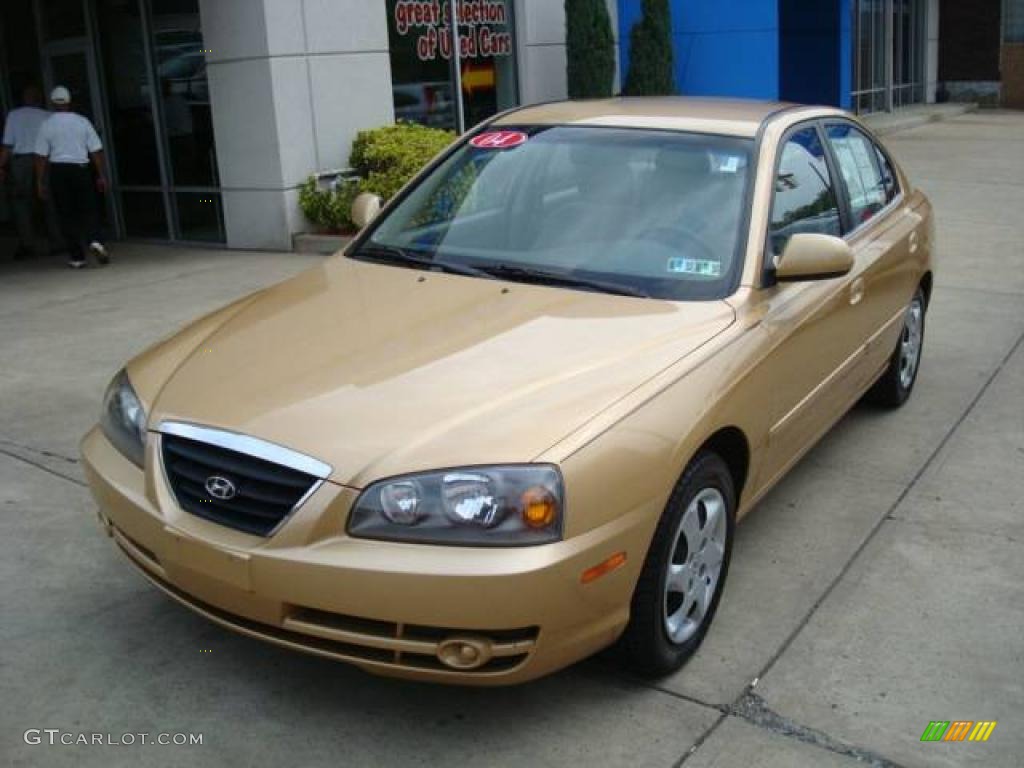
{"x": 755, "y": 710}
{"x": 38, "y": 451}
{"x": 700, "y": 741}
{"x": 42, "y": 467}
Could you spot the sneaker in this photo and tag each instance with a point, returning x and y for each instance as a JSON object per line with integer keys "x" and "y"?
{"x": 99, "y": 252}
{"x": 76, "y": 263}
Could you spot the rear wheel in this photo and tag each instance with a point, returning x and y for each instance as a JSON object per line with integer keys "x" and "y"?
{"x": 684, "y": 573}
{"x": 896, "y": 384}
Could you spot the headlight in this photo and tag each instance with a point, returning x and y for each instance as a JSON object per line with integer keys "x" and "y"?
{"x": 479, "y": 506}
{"x": 123, "y": 420}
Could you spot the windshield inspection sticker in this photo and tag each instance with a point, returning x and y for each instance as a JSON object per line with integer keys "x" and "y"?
{"x": 702, "y": 267}
{"x": 728, "y": 163}
{"x": 499, "y": 140}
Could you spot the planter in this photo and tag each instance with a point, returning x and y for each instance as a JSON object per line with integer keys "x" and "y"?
{"x": 306, "y": 242}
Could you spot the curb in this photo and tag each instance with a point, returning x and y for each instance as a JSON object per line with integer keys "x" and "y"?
{"x": 884, "y": 124}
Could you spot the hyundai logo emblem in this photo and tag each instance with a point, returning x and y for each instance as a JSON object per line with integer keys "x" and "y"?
{"x": 220, "y": 488}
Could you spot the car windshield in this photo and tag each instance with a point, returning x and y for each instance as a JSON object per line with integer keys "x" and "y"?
{"x": 636, "y": 212}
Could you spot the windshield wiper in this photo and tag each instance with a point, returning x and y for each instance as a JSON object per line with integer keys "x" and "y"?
{"x": 392, "y": 254}
{"x": 539, "y": 276}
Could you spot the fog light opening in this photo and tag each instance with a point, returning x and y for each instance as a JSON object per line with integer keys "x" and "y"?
{"x": 464, "y": 653}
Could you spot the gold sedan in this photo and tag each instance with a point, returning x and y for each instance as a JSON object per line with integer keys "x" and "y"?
{"x": 517, "y": 420}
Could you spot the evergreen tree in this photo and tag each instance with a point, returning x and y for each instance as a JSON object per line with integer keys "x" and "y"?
{"x": 650, "y": 52}
{"x": 590, "y": 49}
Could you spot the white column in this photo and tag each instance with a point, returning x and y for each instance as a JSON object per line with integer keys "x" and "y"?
{"x": 541, "y": 49}
{"x": 291, "y": 83}
{"x": 931, "y": 67}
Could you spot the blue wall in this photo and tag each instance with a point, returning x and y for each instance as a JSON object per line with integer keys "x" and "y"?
{"x": 798, "y": 50}
{"x": 808, "y": 55}
{"x": 722, "y": 47}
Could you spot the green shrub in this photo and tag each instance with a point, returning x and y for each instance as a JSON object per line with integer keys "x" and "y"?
{"x": 329, "y": 209}
{"x": 589, "y": 49}
{"x": 383, "y": 160}
{"x": 650, "y": 52}
{"x": 386, "y": 158}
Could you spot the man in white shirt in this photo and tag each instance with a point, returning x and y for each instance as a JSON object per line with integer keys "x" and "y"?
{"x": 17, "y": 165}
{"x": 66, "y": 144}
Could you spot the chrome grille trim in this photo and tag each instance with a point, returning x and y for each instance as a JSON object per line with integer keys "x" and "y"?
{"x": 252, "y": 446}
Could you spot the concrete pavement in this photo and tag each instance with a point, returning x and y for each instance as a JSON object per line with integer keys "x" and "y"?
{"x": 879, "y": 587}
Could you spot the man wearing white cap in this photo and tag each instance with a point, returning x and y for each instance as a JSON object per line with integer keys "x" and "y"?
{"x": 66, "y": 144}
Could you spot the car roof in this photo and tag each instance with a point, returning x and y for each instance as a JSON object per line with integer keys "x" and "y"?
{"x": 732, "y": 117}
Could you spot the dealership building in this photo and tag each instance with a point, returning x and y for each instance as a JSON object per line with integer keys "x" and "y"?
{"x": 214, "y": 112}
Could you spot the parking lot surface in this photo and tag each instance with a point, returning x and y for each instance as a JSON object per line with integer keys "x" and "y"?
{"x": 879, "y": 587}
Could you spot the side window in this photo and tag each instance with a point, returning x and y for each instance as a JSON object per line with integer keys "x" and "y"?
{"x": 858, "y": 164}
{"x": 805, "y": 199}
{"x": 892, "y": 185}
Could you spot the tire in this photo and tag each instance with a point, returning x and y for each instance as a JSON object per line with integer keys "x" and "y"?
{"x": 664, "y": 628}
{"x": 896, "y": 384}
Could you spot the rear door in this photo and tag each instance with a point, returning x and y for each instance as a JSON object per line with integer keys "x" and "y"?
{"x": 884, "y": 234}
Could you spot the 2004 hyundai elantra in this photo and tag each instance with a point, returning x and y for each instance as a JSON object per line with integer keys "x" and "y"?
{"x": 517, "y": 420}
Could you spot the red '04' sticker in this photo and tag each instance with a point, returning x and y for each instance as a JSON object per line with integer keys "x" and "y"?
{"x": 499, "y": 140}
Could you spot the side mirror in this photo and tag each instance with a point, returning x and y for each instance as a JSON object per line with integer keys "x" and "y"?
{"x": 813, "y": 257}
{"x": 365, "y": 209}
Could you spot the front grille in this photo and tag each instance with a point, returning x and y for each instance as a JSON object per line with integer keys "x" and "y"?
{"x": 265, "y": 492}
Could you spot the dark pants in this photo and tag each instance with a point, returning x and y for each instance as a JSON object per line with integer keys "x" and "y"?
{"x": 23, "y": 199}
{"x": 75, "y": 199}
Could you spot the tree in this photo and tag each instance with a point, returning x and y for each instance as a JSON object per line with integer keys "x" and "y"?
{"x": 589, "y": 48}
{"x": 650, "y": 52}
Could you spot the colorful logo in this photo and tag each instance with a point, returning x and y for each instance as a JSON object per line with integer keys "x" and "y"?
{"x": 499, "y": 140}
{"x": 959, "y": 730}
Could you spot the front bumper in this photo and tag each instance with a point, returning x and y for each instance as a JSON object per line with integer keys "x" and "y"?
{"x": 405, "y": 610}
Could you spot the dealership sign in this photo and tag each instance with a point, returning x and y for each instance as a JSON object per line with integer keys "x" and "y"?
{"x": 479, "y": 21}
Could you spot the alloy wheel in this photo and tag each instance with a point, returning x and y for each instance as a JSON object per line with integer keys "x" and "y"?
{"x": 695, "y": 567}
{"x": 910, "y": 342}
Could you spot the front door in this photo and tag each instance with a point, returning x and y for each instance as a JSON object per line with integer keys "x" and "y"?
{"x": 811, "y": 377}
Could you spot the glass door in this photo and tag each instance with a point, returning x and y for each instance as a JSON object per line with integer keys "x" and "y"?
{"x": 158, "y": 99}
{"x": 889, "y": 54}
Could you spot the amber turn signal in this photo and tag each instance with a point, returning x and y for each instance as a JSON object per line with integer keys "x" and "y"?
{"x": 539, "y": 507}
{"x": 612, "y": 563}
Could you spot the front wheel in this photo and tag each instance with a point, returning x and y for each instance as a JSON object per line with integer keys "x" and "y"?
{"x": 896, "y": 384}
{"x": 684, "y": 573}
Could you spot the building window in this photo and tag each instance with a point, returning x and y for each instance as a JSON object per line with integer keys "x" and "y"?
{"x": 1013, "y": 21}
{"x": 423, "y": 71}
{"x": 158, "y": 100}
{"x": 889, "y": 54}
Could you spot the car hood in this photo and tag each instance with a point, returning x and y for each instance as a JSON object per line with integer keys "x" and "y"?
{"x": 381, "y": 370}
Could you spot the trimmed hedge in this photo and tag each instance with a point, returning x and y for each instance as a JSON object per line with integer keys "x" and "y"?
{"x": 589, "y": 49}
{"x": 386, "y": 158}
{"x": 650, "y": 52}
{"x": 383, "y": 159}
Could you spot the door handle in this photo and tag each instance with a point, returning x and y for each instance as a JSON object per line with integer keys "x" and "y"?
{"x": 913, "y": 241}
{"x": 857, "y": 290}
